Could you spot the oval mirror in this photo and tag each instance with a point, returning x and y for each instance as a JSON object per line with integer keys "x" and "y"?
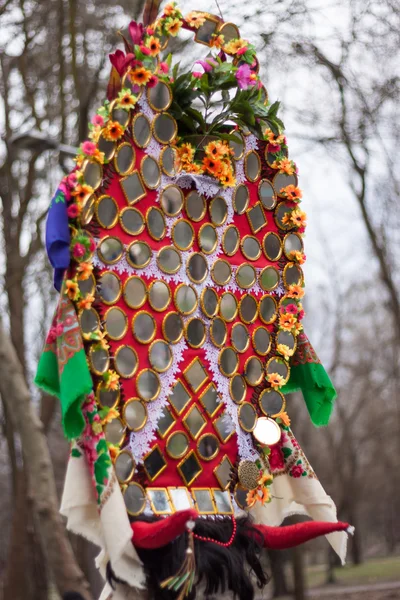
{"x": 237, "y": 145}
{"x": 135, "y": 292}
{"x": 292, "y": 275}
{"x": 251, "y": 247}
{"x": 282, "y": 180}
{"x": 135, "y": 499}
{"x": 195, "y": 206}
{"x": 267, "y": 309}
{"x": 169, "y": 260}
{"x": 221, "y": 272}
{"x": 269, "y": 279}
{"x": 148, "y": 385}
{"x": 177, "y": 444}
{"x": 155, "y": 223}
{"x": 292, "y": 243}
{"x": 141, "y": 130}
{"x": 114, "y": 432}
{"x": 248, "y": 309}
{"x": 109, "y": 287}
{"x": 237, "y": 388}
{"x": 208, "y": 446}
{"x": 126, "y": 361}
{"x": 131, "y": 220}
{"x": 169, "y": 161}
{"x": 92, "y": 173}
{"x": 229, "y": 31}
{"x": 124, "y": 466}
{"x": 87, "y": 286}
{"x": 287, "y": 339}
{"x": 99, "y": 360}
{"x": 134, "y": 413}
{"x": 197, "y": 267}
{"x": 110, "y": 250}
{"x": 218, "y": 211}
{"x": 144, "y": 327}
{"x": 282, "y": 216}
{"x": 266, "y": 194}
{"x": 124, "y": 159}
{"x": 253, "y": 371}
{"x": 107, "y": 398}
{"x": 106, "y": 211}
{"x": 172, "y": 327}
{"x": 115, "y": 323}
{"x": 159, "y": 295}
{"x": 88, "y": 210}
{"x": 271, "y": 402}
{"x": 208, "y": 238}
{"x": 185, "y": 299}
{"x": 241, "y": 199}
{"x": 228, "y": 306}
{"x": 209, "y": 302}
{"x": 151, "y": 172}
{"x": 138, "y": 254}
{"x": 275, "y": 365}
{"x": 165, "y": 128}
{"x": 247, "y": 416}
{"x": 218, "y": 332}
{"x": 261, "y": 341}
{"x": 195, "y": 333}
{"x": 272, "y": 246}
{"x": 160, "y": 356}
{"x": 182, "y": 234}
{"x": 120, "y": 115}
{"x": 252, "y": 166}
{"x": 267, "y": 431}
{"x": 159, "y": 96}
{"x": 171, "y": 200}
{"x": 231, "y": 240}
{"x": 228, "y": 361}
{"x": 246, "y": 276}
{"x": 89, "y": 321}
{"x": 107, "y": 147}
{"x": 240, "y": 337}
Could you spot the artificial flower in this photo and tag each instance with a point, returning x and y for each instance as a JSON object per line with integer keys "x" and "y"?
{"x": 173, "y": 26}
{"x": 97, "y": 121}
{"x": 217, "y": 149}
{"x": 227, "y": 179}
{"x": 285, "y": 351}
{"x": 233, "y": 46}
{"x": 84, "y": 270}
{"x": 136, "y": 32}
{"x": 287, "y": 322}
{"x": 92, "y": 245}
{"x": 169, "y": 9}
{"x": 72, "y": 179}
{"x": 113, "y": 131}
{"x": 88, "y": 148}
{"x": 245, "y": 77}
{"x": 298, "y": 328}
{"x": 140, "y": 75}
{"x": 197, "y": 74}
{"x": 284, "y": 417}
{"x": 73, "y": 211}
{"x": 78, "y": 250}
{"x": 82, "y": 192}
{"x": 286, "y": 218}
{"x": 284, "y": 165}
{"x": 164, "y": 68}
{"x": 97, "y": 427}
{"x": 208, "y": 65}
{"x": 212, "y": 165}
{"x": 291, "y": 192}
{"x": 113, "y": 450}
{"x": 195, "y": 19}
{"x": 126, "y": 99}
{"x": 275, "y": 380}
{"x": 111, "y": 379}
{"x": 295, "y": 291}
{"x": 152, "y": 81}
{"x": 145, "y": 50}
{"x": 186, "y": 152}
{"x": 86, "y": 302}
{"x": 298, "y": 217}
{"x": 272, "y": 138}
{"x": 72, "y": 289}
{"x": 121, "y": 61}
{"x": 217, "y": 41}
{"x": 111, "y": 414}
{"x": 297, "y": 256}
{"x": 292, "y": 309}
{"x": 154, "y": 45}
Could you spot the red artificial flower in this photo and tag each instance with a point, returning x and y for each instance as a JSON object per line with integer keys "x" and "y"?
{"x": 121, "y": 62}
{"x": 136, "y": 32}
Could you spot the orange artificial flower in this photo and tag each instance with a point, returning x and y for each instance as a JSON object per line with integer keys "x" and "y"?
{"x": 195, "y": 19}
{"x": 251, "y": 497}
{"x": 284, "y": 166}
{"x": 228, "y": 179}
{"x": 275, "y": 380}
{"x": 113, "y": 131}
{"x": 297, "y": 328}
{"x": 270, "y": 136}
{"x": 265, "y": 479}
{"x": 213, "y": 166}
{"x": 217, "y": 41}
{"x": 284, "y": 417}
{"x": 194, "y": 168}
{"x": 126, "y": 99}
{"x": 286, "y": 218}
{"x": 298, "y": 217}
{"x": 234, "y": 46}
{"x": 173, "y": 27}
{"x": 113, "y": 450}
{"x": 297, "y": 256}
{"x": 72, "y": 290}
{"x": 82, "y": 192}
{"x": 86, "y": 302}
{"x": 169, "y": 9}
{"x": 99, "y": 156}
{"x": 140, "y": 76}
{"x": 285, "y": 351}
{"x": 154, "y": 45}
{"x": 111, "y": 414}
{"x": 217, "y": 149}
{"x": 291, "y": 192}
{"x": 186, "y": 152}
{"x": 85, "y": 270}
{"x": 287, "y": 321}
{"x": 295, "y": 291}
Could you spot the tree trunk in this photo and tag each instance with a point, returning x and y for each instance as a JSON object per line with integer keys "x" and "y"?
{"x": 55, "y": 544}
{"x": 298, "y": 574}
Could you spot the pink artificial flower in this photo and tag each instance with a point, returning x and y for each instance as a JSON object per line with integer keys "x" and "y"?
{"x": 296, "y": 471}
{"x": 136, "y": 32}
{"x": 72, "y": 211}
{"x": 98, "y": 121}
{"x": 275, "y": 459}
{"x": 92, "y": 245}
{"x": 241, "y": 51}
{"x": 59, "y": 329}
{"x": 208, "y": 64}
{"x": 150, "y": 31}
{"x": 243, "y": 76}
{"x": 301, "y": 314}
{"x": 197, "y": 74}
{"x": 88, "y": 148}
{"x": 72, "y": 180}
{"x": 164, "y": 68}
{"x": 292, "y": 309}
{"x": 273, "y": 148}
{"x": 145, "y": 50}
{"x": 79, "y": 250}
{"x": 152, "y": 81}
{"x": 121, "y": 62}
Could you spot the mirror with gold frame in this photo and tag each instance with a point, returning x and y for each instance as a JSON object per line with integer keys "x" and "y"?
{"x": 253, "y": 371}
{"x": 272, "y": 402}
{"x": 266, "y": 194}
{"x": 286, "y": 338}
{"x": 135, "y": 499}
{"x": 131, "y": 220}
{"x": 256, "y": 217}
{"x": 180, "y": 498}
{"x": 221, "y": 271}
{"x": 115, "y": 323}
{"x": 109, "y": 287}
{"x": 237, "y": 145}
{"x": 110, "y": 250}
{"x": 88, "y": 210}
{"x": 218, "y": 332}
{"x": 150, "y": 171}
{"x": 204, "y": 33}
{"x": 261, "y": 339}
{"x": 165, "y": 128}
{"x": 269, "y": 279}
{"x": 211, "y": 400}
{"x": 159, "y": 295}
{"x": 182, "y": 234}
{"x": 120, "y": 115}
{"x": 194, "y": 422}
{"x": 155, "y": 221}
{"x": 195, "y": 332}
{"x": 177, "y": 444}
{"x": 224, "y": 426}
{"x": 204, "y": 501}
{"x": 154, "y": 463}
{"x": 179, "y": 397}
{"x": 267, "y": 309}
{"x": 218, "y": 211}
{"x": 134, "y": 414}
{"x": 168, "y": 161}
{"x": 272, "y": 246}
{"x": 165, "y": 422}
{"x": 87, "y": 286}
{"x": 159, "y": 501}
{"x": 133, "y": 187}
{"x": 195, "y": 206}
{"x": 92, "y": 173}
{"x": 126, "y": 361}
{"x": 105, "y": 397}
{"x": 230, "y": 32}
{"x": 141, "y": 130}
{"x": 282, "y": 180}
{"x": 189, "y": 468}
{"x": 252, "y": 165}
{"x": 241, "y": 199}
{"x": 281, "y": 216}
{"x": 107, "y": 147}
{"x": 195, "y": 375}
{"x": 124, "y": 465}
{"x": 246, "y": 276}
{"x": 197, "y": 267}
{"x": 89, "y": 321}
{"x": 231, "y": 240}
{"x": 124, "y": 159}
{"x": 99, "y": 360}
{"x": 208, "y": 238}
{"x": 208, "y": 446}
{"x": 251, "y": 247}
{"x": 144, "y": 327}
{"x": 114, "y": 432}
{"x": 267, "y": 431}
{"x": 171, "y": 200}
{"x": 237, "y": 388}
{"x": 223, "y": 472}
{"x": 292, "y": 242}
{"x": 160, "y": 356}
{"x": 209, "y": 302}
{"x": 248, "y": 309}
{"x": 185, "y": 299}
{"x": 228, "y": 307}
{"x": 278, "y": 365}
{"x": 135, "y": 292}
{"x": 148, "y": 385}
{"x": 138, "y": 254}
{"x": 169, "y": 260}
{"x": 247, "y": 416}
{"x": 292, "y": 275}
{"x": 240, "y": 495}
{"x": 240, "y": 337}
{"x": 106, "y": 211}
{"x": 228, "y": 361}
{"x": 172, "y": 327}
{"x": 159, "y": 96}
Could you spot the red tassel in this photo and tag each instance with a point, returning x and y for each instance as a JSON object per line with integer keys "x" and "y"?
{"x": 162, "y": 532}
{"x": 280, "y": 538}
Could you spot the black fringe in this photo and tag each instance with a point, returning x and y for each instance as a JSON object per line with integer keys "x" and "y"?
{"x": 218, "y": 569}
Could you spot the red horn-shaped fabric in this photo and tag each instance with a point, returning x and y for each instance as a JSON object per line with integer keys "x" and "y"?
{"x": 280, "y": 538}
{"x": 162, "y": 532}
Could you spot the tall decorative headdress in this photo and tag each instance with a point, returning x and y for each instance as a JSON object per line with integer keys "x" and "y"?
{"x": 177, "y": 244}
